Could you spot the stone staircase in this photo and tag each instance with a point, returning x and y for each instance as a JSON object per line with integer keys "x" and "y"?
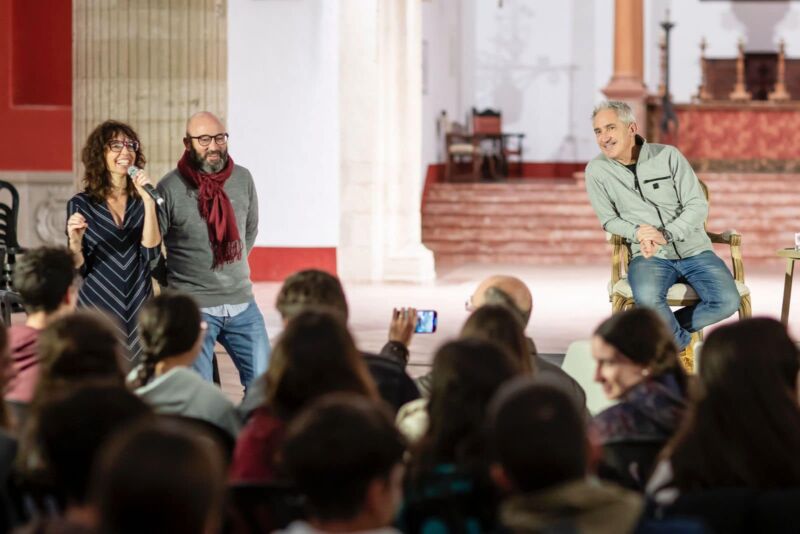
{"x": 550, "y": 221}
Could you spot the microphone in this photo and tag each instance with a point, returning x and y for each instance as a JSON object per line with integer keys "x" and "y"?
{"x": 133, "y": 169}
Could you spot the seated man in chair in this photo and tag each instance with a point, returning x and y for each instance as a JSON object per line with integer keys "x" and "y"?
{"x": 649, "y": 195}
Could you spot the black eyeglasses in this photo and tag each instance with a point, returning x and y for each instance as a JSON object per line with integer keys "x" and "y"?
{"x": 205, "y": 140}
{"x": 116, "y": 146}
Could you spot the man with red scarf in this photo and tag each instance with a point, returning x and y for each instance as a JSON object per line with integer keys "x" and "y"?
{"x": 209, "y": 228}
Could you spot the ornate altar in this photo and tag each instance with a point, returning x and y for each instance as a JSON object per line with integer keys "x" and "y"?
{"x": 745, "y": 116}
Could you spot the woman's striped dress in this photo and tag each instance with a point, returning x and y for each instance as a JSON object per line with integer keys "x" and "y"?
{"x": 116, "y": 269}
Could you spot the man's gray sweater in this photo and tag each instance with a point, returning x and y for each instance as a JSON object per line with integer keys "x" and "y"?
{"x": 185, "y": 236}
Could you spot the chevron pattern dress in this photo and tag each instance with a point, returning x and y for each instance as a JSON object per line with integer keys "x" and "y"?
{"x": 116, "y": 269}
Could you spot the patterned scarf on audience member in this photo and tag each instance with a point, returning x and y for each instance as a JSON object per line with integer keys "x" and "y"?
{"x": 216, "y": 209}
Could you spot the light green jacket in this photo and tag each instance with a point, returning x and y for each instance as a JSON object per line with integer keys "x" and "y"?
{"x": 664, "y": 193}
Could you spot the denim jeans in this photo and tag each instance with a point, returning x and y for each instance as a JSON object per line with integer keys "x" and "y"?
{"x": 244, "y": 336}
{"x": 650, "y": 279}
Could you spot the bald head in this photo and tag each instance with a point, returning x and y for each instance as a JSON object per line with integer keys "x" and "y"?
{"x": 497, "y": 288}
{"x": 204, "y": 123}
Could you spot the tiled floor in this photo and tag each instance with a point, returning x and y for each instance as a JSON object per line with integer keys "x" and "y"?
{"x": 569, "y": 302}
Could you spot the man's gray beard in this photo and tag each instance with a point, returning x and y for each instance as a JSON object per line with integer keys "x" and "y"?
{"x": 207, "y": 167}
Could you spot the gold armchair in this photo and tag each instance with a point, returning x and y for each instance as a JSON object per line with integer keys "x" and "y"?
{"x": 621, "y": 296}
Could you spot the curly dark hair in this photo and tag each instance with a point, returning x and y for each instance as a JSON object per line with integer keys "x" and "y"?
{"x": 97, "y": 180}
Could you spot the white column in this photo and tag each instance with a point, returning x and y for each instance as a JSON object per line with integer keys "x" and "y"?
{"x": 150, "y": 64}
{"x": 380, "y": 113}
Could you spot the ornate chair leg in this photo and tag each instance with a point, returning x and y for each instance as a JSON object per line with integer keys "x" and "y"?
{"x": 745, "y": 309}
{"x": 617, "y": 304}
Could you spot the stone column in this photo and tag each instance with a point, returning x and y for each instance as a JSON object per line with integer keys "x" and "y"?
{"x": 627, "y": 82}
{"x": 150, "y": 64}
{"x": 380, "y": 102}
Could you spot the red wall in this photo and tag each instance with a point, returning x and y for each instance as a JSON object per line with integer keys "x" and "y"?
{"x": 36, "y": 85}
{"x": 276, "y": 263}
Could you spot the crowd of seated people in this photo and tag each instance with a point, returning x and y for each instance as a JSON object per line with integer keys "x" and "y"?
{"x": 334, "y": 439}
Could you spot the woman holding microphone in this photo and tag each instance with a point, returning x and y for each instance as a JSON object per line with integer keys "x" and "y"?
{"x": 112, "y": 227}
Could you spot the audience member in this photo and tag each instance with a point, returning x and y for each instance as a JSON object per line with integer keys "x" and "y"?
{"x": 72, "y": 432}
{"x": 345, "y": 454}
{"x": 313, "y": 288}
{"x": 6, "y": 423}
{"x": 742, "y": 428}
{"x": 513, "y": 293}
{"x": 172, "y": 335}
{"x": 314, "y": 355}
{"x": 78, "y": 349}
{"x": 637, "y": 365}
{"x": 540, "y": 448}
{"x": 449, "y": 483}
{"x": 493, "y": 323}
{"x": 157, "y": 479}
{"x": 46, "y": 279}
{"x": 8, "y": 441}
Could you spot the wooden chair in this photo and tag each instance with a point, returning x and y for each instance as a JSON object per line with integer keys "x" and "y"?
{"x": 459, "y": 149}
{"x": 496, "y": 147}
{"x": 621, "y": 296}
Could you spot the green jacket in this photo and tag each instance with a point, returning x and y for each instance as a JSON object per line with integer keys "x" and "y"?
{"x": 665, "y": 193}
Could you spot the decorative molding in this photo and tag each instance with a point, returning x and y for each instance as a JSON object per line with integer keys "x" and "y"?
{"x": 50, "y": 214}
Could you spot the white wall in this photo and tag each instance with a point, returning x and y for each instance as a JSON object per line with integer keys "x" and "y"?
{"x": 542, "y": 64}
{"x": 283, "y": 90}
{"x": 761, "y": 24}
{"x": 441, "y": 71}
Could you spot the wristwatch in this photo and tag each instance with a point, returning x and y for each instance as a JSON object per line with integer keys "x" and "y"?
{"x": 666, "y": 233}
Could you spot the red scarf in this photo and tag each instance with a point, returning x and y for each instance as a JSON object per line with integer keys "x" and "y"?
{"x": 216, "y": 209}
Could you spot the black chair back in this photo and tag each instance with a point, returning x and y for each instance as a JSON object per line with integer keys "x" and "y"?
{"x": 206, "y": 430}
{"x": 256, "y": 508}
{"x": 10, "y": 301}
{"x": 733, "y": 510}
{"x": 629, "y": 463}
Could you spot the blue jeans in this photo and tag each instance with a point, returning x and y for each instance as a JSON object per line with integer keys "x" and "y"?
{"x": 244, "y": 336}
{"x": 650, "y": 279}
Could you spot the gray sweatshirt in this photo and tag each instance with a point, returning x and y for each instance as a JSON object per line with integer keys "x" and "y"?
{"x": 185, "y": 236}
{"x": 664, "y": 192}
{"x": 181, "y": 391}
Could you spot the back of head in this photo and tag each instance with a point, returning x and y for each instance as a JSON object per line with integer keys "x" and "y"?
{"x": 156, "y": 479}
{"x": 43, "y": 276}
{"x": 743, "y": 423}
{"x": 335, "y": 447}
{"x": 315, "y": 355}
{"x": 507, "y": 291}
{"x": 466, "y": 374}
{"x": 537, "y": 435}
{"x": 311, "y": 288}
{"x": 498, "y": 324}
{"x": 749, "y": 357}
{"x": 73, "y": 429}
{"x": 169, "y": 324}
{"x": 642, "y": 337}
{"x": 77, "y": 348}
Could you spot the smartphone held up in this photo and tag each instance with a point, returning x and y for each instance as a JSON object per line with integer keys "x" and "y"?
{"x": 426, "y": 321}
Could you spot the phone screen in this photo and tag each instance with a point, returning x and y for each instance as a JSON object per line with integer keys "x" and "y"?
{"x": 426, "y": 321}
